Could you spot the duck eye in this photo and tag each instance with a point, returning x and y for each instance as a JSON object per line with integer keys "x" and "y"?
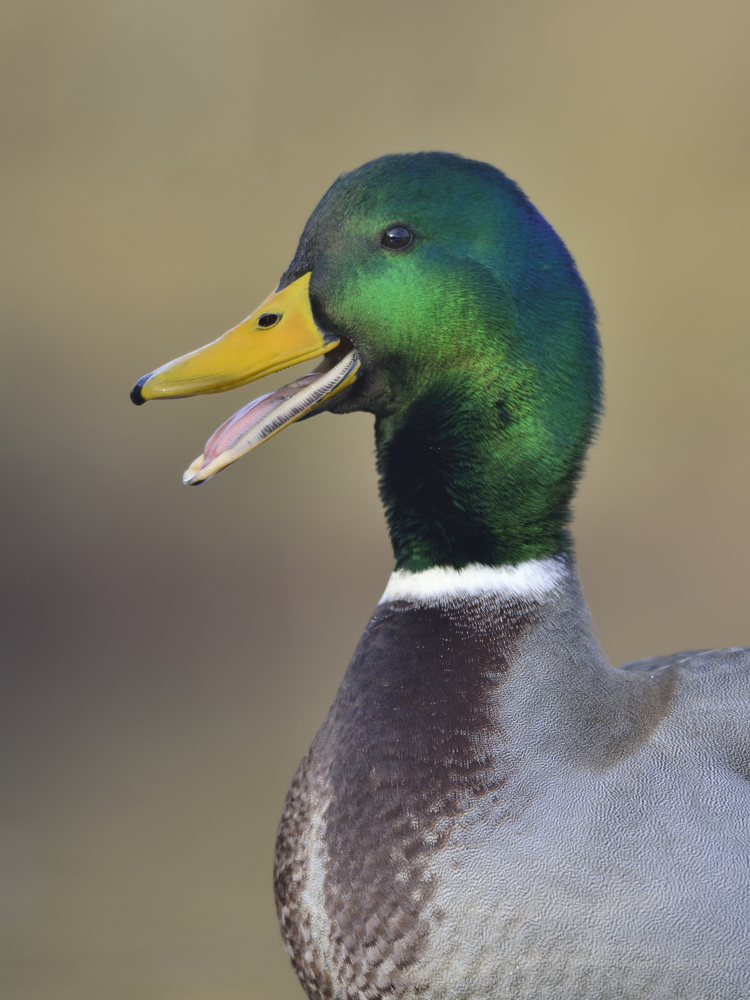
{"x": 397, "y": 237}
{"x": 268, "y": 319}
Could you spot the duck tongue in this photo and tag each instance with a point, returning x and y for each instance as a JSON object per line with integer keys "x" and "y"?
{"x": 250, "y": 416}
{"x": 265, "y": 416}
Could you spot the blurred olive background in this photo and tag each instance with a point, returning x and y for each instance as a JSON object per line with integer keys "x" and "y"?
{"x": 168, "y": 653}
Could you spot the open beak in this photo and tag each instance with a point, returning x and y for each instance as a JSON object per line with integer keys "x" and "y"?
{"x": 280, "y": 333}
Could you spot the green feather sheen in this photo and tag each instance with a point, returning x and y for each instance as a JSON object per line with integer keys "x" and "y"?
{"x": 479, "y": 352}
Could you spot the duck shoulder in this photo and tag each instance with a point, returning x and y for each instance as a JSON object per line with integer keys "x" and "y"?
{"x": 710, "y": 713}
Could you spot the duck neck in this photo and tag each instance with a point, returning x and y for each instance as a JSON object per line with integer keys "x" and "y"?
{"x": 516, "y": 655}
{"x": 462, "y": 485}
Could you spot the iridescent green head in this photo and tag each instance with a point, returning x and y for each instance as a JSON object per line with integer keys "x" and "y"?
{"x": 451, "y": 310}
{"x": 479, "y": 352}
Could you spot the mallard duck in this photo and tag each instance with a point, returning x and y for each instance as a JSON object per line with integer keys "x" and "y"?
{"x": 490, "y": 809}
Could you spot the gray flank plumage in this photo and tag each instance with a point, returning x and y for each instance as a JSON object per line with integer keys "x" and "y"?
{"x": 490, "y": 810}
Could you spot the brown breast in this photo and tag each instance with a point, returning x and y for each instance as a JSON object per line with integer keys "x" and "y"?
{"x": 408, "y": 743}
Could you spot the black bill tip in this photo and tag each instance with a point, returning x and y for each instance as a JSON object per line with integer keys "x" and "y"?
{"x": 136, "y": 395}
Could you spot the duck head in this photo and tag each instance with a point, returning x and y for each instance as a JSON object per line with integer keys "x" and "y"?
{"x": 443, "y": 303}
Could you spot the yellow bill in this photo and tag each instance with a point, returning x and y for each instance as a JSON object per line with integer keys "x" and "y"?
{"x": 280, "y": 333}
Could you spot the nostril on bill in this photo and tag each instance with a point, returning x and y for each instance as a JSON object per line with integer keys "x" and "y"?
{"x": 268, "y": 319}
